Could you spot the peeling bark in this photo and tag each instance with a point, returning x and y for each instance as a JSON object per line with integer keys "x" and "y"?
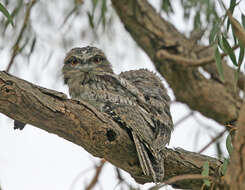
{"x": 83, "y": 125}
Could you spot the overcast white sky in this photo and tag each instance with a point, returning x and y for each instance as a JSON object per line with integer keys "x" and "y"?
{"x": 34, "y": 159}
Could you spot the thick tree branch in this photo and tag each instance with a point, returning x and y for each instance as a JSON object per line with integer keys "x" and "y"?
{"x": 236, "y": 171}
{"x": 211, "y": 97}
{"x": 81, "y": 124}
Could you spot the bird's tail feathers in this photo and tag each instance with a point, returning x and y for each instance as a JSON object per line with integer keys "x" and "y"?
{"x": 144, "y": 159}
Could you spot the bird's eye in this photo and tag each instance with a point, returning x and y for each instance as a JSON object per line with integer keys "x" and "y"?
{"x": 73, "y": 61}
{"x": 98, "y": 59}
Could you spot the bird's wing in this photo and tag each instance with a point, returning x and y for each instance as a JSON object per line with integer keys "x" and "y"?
{"x": 158, "y": 100}
{"x": 147, "y": 83}
{"x": 119, "y": 82}
{"x": 131, "y": 117}
{"x": 147, "y": 118}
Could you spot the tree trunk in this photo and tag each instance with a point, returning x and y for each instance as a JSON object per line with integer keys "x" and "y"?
{"x": 236, "y": 171}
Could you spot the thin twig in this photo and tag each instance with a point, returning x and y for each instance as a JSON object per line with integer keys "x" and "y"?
{"x": 213, "y": 140}
{"x": 96, "y": 176}
{"x": 119, "y": 177}
{"x": 74, "y": 9}
{"x": 183, "y": 118}
{"x": 182, "y": 177}
{"x": 79, "y": 176}
{"x": 178, "y": 59}
{"x": 121, "y": 180}
{"x": 16, "y": 45}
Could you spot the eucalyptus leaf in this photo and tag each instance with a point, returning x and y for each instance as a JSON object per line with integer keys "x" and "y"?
{"x": 243, "y": 20}
{"x": 224, "y": 166}
{"x": 241, "y": 54}
{"x": 166, "y": 6}
{"x": 229, "y": 51}
{"x": 197, "y": 20}
{"x": 228, "y": 143}
{"x": 234, "y": 36}
{"x": 220, "y": 42}
{"x": 103, "y": 12}
{"x": 205, "y": 173}
{"x": 212, "y": 36}
{"x": 232, "y": 6}
{"x": 218, "y": 62}
{"x": 91, "y": 20}
{"x": 6, "y": 13}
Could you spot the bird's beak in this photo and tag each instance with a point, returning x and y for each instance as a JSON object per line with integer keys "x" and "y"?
{"x": 85, "y": 67}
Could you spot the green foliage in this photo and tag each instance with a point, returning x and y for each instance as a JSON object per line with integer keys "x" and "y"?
{"x": 102, "y": 10}
{"x": 228, "y": 143}
{"x": 205, "y": 12}
{"x": 243, "y": 20}
{"x": 234, "y": 36}
{"x": 205, "y": 173}
{"x": 220, "y": 36}
{"x": 91, "y": 14}
{"x": 229, "y": 147}
{"x": 229, "y": 50}
{"x": 6, "y": 13}
{"x": 166, "y": 6}
{"x": 224, "y": 166}
{"x": 241, "y": 54}
{"x": 14, "y": 13}
{"x": 219, "y": 63}
{"x": 203, "y": 9}
{"x": 197, "y": 20}
{"x": 231, "y": 9}
{"x": 214, "y": 33}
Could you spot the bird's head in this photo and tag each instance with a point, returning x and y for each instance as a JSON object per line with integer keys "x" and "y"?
{"x": 85, "y": 60}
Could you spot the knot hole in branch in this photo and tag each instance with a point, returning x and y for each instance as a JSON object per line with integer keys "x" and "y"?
{"x": 111, "y": 135}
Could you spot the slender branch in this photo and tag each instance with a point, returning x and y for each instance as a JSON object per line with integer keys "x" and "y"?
{"x": 184, "y": 177}
{"x": 77, "y": 4}
{"x": 72, "y": 186}
{"x": 96, "y": 176}
{"x": 16, "y": 45}
{"x": 178, "y": 59}
{"x": 183, "y": 119}
{"x": 163, "y": 54}
{"x": 212, "y": 141}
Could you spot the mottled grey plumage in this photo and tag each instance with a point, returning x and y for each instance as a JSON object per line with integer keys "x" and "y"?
{"x": 136, "y": 100}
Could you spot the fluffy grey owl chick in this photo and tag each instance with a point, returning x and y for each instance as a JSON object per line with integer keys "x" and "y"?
{"x": 136, "y": 100}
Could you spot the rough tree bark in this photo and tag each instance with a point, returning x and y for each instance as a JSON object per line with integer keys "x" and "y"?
{"x": 174, "y": 57}
{"x": 236, "y": 172}
{"x": 83, "y": 125}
